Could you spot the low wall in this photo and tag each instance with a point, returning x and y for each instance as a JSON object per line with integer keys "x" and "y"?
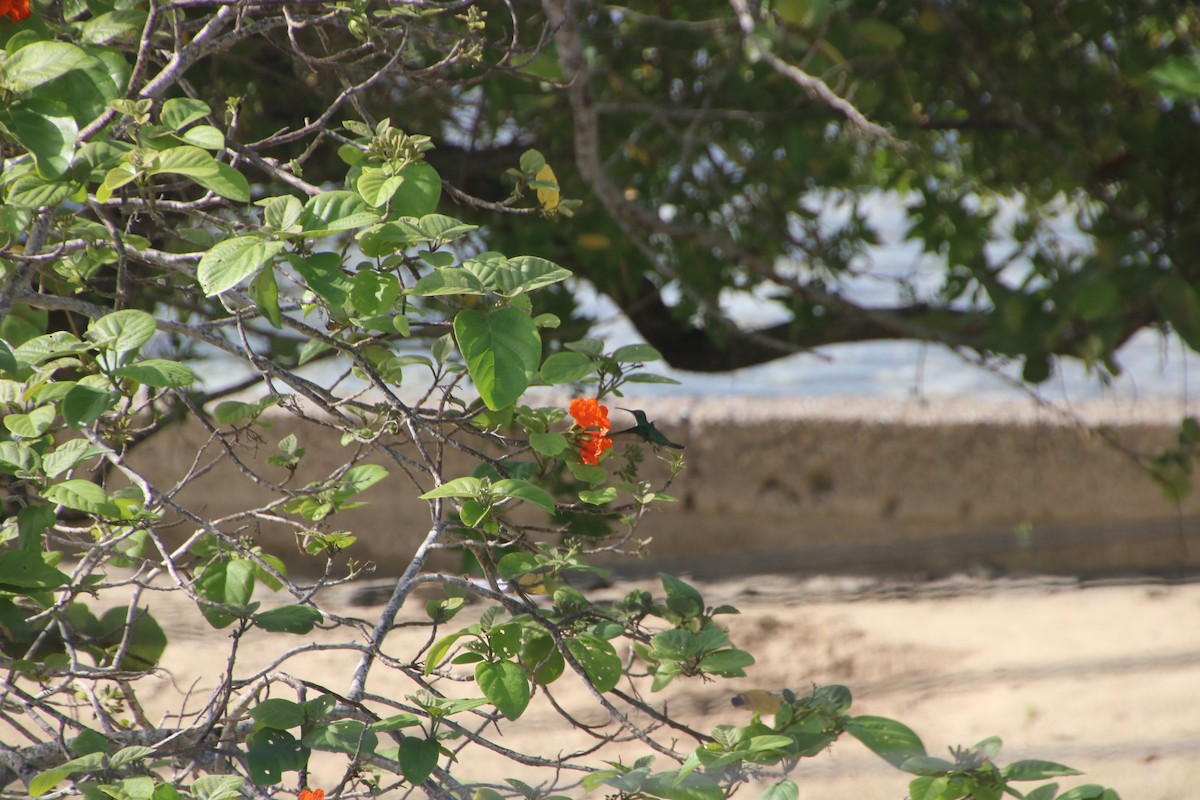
{"x": 821, "y": 485}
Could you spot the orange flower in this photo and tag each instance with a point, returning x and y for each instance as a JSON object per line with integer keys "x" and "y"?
{"x": 587, "y": 412}
{"x": 305, "y": 794}
{"x": 593, "y": 418}
{"x": 17, "y": 10}
{"x": 592, "y": 446}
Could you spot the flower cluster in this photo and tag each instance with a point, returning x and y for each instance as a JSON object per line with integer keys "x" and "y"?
{"x": 305, "y": 794}
{"x": 593, "y": 418}
{"x": 16, "y": 10}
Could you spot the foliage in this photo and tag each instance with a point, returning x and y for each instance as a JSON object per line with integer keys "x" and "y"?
{"x": 150, "y": 223}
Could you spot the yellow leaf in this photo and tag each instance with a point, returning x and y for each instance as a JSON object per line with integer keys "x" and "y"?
{"x": 548, "y": 197}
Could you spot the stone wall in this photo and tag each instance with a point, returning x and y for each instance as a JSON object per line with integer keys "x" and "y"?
{"x": 880, "y": 486}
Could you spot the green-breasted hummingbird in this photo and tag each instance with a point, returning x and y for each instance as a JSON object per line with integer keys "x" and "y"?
{"x": 645, "y": 429}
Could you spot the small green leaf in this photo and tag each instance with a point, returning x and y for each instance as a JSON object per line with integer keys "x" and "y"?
{"x": 347, "y": 736}
{"x": 218, "y": 787}
{"x": 548, "y": 444}
{"x": 202, "y": 168}
{"x": 31, "y": 425}
{"x": 278, "y": 713}
{"x": 418, "y": 758}
{"x": 1035, "y": 770}
{"x": 784, "y": 790}
{"x": 123, "y": 331}
{"x": 505, "y": 686}
{"x": 890, "y": 740}
{"x": 159, "y": 373}
{"x": 599, "y": 497}
{"x": 231, "y": 261}
{"x": 459, "y": 487}
{"x": 67, "y": 455}
{"x": 524, "y": 490}
{"x": 636, "y": 353}
{"x": 599, "y": 661}
{"x": 82, "y": 495}
{"x": 85, "y": 404}
{"x": 179, "y": 112}
{"x": 288, "y": 619}
{"x": 331, "y": 212}
{"x": 566, "y": 367}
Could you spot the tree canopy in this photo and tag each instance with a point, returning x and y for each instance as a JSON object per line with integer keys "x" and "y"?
{"x": 411, "y": 191}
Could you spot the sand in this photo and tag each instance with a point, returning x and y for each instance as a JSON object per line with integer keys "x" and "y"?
{"x": 1104, "y": 677}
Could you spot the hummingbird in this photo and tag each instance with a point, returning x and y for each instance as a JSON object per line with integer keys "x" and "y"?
{"x": 645, "y": 429}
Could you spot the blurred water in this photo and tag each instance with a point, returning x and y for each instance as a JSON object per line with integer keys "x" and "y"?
{"x": 1153, "y": 366}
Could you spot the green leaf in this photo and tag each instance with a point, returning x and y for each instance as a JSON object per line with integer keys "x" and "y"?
{"x": 8, "y": 361}
{"x": 48, "y": 346}
{"x": 82, "y": 495}
{"x": 32, "y": 522}
{"x": 438, "y": 652}
{"x": 31, "y": 425}
{"x": 727, "y": 663}
{"x": 359, "y": 479}
{"x": 85, "y": 404}
{"x": 890, "y": 740}
{"x": 566, "y": 367}
{"x": 448, "y": 281}
{"x": 521, "y": 274}
{"x": 289, "y": 619}
{"x": 1090, "y": 791}
{"x": 439, "y": 227}
{"x": 49, "y": 137}
{"x": 123, "y": 331}
{"x": 179, "y": 112}
{"x": 32, "y": 191}
{"x": 230, "y": 262}
{"x": 502, "y": 349}
{"x": 599, "y": 660}
{"x": 120, "y": 24}
{"x": 690, "y": 786}
{"x": 682, "y": 598}
{"x": 636, "y": 353}
{"x": 1035, "y": 770}
{"x": 505, "y": 686}
{"x": 41, "y": 62}
{"x": 784, "y": 790}
{"x": 331, "y": 212}
{"x": 418, "y": 758}
{"x": 45, "y": 781}
{"x": 229, "y": 582}
{"x": 200, "y": 166}
{"x": 1177, "y": 79}
{"x": 205, "y": 136}
{"x": 459, "y": 487}
{"x": 347, "y": 736}
{"x": 524, "y": 490}
{"x": 281, "y": 213}
{"x": 598, "y": 497}
{"x": 548, "y": 444}
{"x": 26, "y": 571}
{"x": 271, "y": 752}
{"x": 67, "y": 455}
{"x": 89, "y": 741}
{"x": 278, "y": 713}
{"x": 127, "y": 755}
{"x": 218, "y": 787}
{"x": 418, "y": 195}
{"x": 158, "y": 373}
